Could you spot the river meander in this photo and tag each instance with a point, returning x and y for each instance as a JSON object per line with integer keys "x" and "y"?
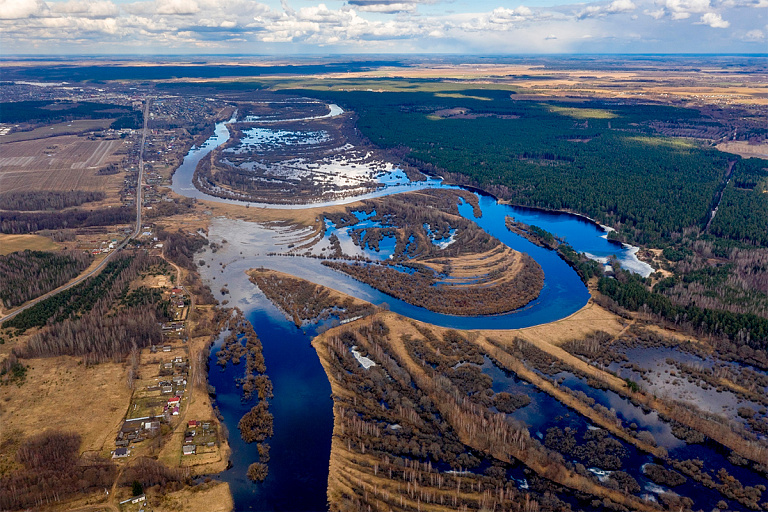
{"x": 302, "y": 408}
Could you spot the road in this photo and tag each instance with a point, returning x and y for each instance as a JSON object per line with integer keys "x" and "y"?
{"x": 117, "y": 249}
{"x": 720, "y": 193}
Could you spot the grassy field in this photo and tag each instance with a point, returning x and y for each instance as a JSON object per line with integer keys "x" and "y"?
{"x": 13, "y": 243}
{"x": 60, "y": 393}
{"x": 68, "y": 128}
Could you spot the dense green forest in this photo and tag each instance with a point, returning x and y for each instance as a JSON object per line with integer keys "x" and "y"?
{"x": 25, "y": 275}
{"x": 743, "y": 212}
{"x": 630, "y": 291}
{"x": 50, "y": 111}
{"x": 596, "y": 158}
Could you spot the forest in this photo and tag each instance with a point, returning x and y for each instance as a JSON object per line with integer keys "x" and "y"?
{"x": 605, "y": 162}
{"x": 47, "y": 200}
{"x": 743, "y": 211}
{"x": 629, "y": 291}
{"x": 16, "y": 222}
{"x": 94, "y": 319}
{"x": 25, "y": 275}
{"x": 50, "y": 468}
{"x": 98, "y": 319}
{"x": 49, "y": 111}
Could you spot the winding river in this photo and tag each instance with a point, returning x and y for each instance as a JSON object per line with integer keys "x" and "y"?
{"x": 302, "y": 408}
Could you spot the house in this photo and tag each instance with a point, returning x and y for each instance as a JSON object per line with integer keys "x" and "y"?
{"x": 189, "y": 440}
{"x": 176, "y": 411}
{"x": 178, "y": 379}
{"x": 174, "y": 400}
{"x": 167, "y": 389}
{"x": 120, "y": 453}
{"x": 188, "y": 449}
{"x": 166, "y": 348}
{"x": 192, "y": 423}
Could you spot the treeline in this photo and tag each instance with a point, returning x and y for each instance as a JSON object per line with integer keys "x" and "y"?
{"x": 25, "y": 275}
{"x": 647, "y": 187}
{"x": 97, "y": 337}
{"x": 50, "y": 470}
{"x": 743, "y": 211}
{"x": 47, "y": 200}
{"x": 630, "y": 292}
{"x": 16, "y": 222}
{"x": 49, "y": 111}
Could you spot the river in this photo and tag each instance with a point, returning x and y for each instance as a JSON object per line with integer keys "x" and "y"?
{"x": 302, "y": 408}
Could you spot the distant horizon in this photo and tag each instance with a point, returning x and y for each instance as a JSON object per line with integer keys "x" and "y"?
{"x": 406, "y": 27}
{"x": 367, "y": 56}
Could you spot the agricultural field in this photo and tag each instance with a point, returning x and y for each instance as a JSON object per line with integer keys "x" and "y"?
{"x": 60, "y": 163}
{"x": 13, "y": 243}
{"x": 74, "y": 127}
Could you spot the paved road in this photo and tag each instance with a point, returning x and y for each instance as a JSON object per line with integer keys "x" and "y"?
{"x": 136, "y": 231}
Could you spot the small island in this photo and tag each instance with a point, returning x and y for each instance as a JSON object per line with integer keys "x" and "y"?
{"x": 441, "y": 261}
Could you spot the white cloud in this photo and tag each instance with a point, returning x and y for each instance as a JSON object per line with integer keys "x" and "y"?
{"x": 177, "y": 7}
{"x": 754, "y": 36}
{"x": 714, "y": 20}
{"x": 87, "y": 8}
{"x": 20, "y": 9}
{"x": 615, "y": 7}
{"x": 365, "y": 25}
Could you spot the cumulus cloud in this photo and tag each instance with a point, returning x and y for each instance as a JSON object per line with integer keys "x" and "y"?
{"x": 357, "y": 25}
{"x": 714, "y": 20}
{"x": 682, "y": 9}
{"x": 383, "y": 6}
{"x": 177, "y": 7}
{"x": 615, "y": 7}
{"x": 20, "y": 9}
{"x": 87, "y": 8}
{"x": 754, "y": 36}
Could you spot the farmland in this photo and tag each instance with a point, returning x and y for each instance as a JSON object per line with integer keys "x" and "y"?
{"x": 60, "y": 163}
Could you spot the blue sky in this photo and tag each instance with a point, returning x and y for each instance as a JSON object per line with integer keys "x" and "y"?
{"x": 382, "y": 26}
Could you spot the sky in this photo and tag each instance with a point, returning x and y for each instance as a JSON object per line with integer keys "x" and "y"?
{"x": 285, "y": 27}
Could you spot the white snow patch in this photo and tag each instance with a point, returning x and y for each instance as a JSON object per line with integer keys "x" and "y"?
{"x": 364, "y": 361}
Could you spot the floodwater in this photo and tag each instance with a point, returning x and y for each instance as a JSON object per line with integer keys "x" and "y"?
{"x": 302, "y": 408}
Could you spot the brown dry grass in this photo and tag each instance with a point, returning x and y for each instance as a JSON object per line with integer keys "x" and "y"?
{"x": 472, "y": 266}
{"x": 13, "y": 243}
{"x": 350, "y": 470}
{"x": 59, "y": 163}
{"x": 744, "y": 149}
{"x": 60, "y": 393}
{"x": 210, "y": 497}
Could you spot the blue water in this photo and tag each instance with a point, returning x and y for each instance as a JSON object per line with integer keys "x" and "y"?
{"x": 303, "y": 420}
{"x": 302, "y": 408}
